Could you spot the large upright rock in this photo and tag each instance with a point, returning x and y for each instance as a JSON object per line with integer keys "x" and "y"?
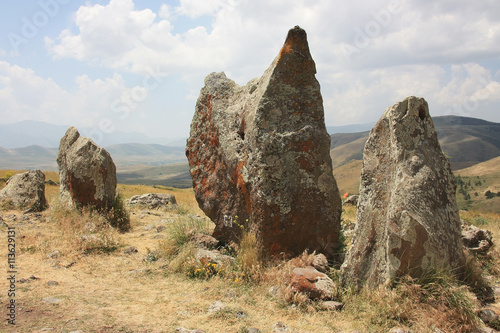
{"x": 87, "y": 173}
{"x": 259, "y": 156}
{"x": 407, "y": 220}
{"x": 26, "y": 191}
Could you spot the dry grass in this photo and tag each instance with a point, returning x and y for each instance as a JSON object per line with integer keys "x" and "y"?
{"x": 157, "y": 289}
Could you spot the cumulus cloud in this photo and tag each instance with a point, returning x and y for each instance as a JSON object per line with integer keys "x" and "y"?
{"x": 368, "y": 55}
{"x": 36, "y": 98}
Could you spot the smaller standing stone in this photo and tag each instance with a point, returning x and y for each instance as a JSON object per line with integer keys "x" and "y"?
{"x": 26, "y": 190}
{"x": 87, "y": 173}
{"x": 407, "y": 221}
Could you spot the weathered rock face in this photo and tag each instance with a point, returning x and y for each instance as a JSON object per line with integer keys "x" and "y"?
{"x": 407, "y": 220}
{"x": 87, "y": 173}
{"x": 26, "y": 190}
{"x": 259, "y": 156}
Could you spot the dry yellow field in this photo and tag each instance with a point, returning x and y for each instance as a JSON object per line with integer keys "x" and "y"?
{"x": 113, "y": 291}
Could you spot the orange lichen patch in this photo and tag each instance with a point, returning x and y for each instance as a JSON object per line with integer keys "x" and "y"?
{"x": 306, "y": 146}
{"x": 305, "y": 163}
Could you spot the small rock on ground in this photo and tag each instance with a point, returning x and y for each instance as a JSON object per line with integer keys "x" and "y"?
{"x": 185, "y": 330}
{"x": 51, "y": 300}
{"x": 216, "y": 307}
{"x": 280, "y": 327}
{"x": 332, "y": 305}
{"x": 487, "y": 315}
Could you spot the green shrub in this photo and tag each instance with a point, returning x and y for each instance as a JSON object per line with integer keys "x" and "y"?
{"x": 118, "y": 216}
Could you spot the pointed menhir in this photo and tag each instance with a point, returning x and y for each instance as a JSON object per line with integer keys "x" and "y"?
{"x": 407, "y": 220}
{"x": 259, "y": 156}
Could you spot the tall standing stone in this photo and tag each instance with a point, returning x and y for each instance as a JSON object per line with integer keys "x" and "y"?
{"x": 407, "y": 220}
{"x": 259, "y": 156}
{"x": 86, "y": 172}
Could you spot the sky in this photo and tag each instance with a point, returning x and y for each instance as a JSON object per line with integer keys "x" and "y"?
{"x": 138, "y": 66}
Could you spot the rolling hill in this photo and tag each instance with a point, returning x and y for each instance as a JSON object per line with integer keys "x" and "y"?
{"x": 466, "y": 141}
{"x": 124, "y": 155}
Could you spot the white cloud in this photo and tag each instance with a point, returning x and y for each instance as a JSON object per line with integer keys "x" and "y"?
{"x": 197, "y": 8}
{"x": 398, "y": 47}
{"x": 36, "y": 98}
{"x": 358, "y": 97}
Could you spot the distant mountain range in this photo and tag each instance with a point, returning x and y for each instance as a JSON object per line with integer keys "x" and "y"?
{"x": 466, "y": 141}
{"x": 29, "y": 133}
{"x": 124, "y": 155}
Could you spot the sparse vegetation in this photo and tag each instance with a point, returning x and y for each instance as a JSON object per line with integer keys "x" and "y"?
{"x": 81, "y": 251}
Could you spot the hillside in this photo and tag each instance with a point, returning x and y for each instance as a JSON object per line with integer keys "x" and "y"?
{"x": 475, "y": 182}
{"x": 175, "y": 175}
{"x": 466, "y": 141}
{"x": 124, "y": 155}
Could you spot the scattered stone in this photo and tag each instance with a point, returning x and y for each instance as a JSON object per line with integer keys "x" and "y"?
{"x": 274, "y": 291}
{"x": 26, "y": 190}
{"x": 32, "y": 277}
{"x": 280, "y": 327}
{"x": 320, "y": 263}
{"x": 313, "y": 283}
{"x": 51, "y": 300}
{"x": 160, "y": 228}
{"x": 399, "y": 330}
{"x": 230, "y": 294}
{"x": 205, "y": 241}
{"x": 475, "y": 239}
{"x": 149, "y": 227}
{"x": 47, "y": 329}
{"x": 259, "y": 156}
{"x": 159, "y": 236}
{"x": 77, "y": 331}
{"x": 54, "y": 255}
{"x": 351, "y": 200}
{"x": 12, "y": 217}
{"x": 25, "y": 218}
{"x": 332, "y": 305}
{"x": 185, "y": 330}
{"x": 213, "y": 257}
{"x": 407, "y": 219}
{"x": 130, "y": 250}
{"x": 487, "y": 315}
{"x": 153, "y": 200}
{"x": 52, "y": 283}
{"x": 87, "y": 173}
{"x": 253, "y": 330}
{"x": 216, "y": 307}
{"x": 240, "y": 315}
{"x": 23, "y": 280}
{"x": 50, "y": 182}
{"x": 486, "y": 330}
